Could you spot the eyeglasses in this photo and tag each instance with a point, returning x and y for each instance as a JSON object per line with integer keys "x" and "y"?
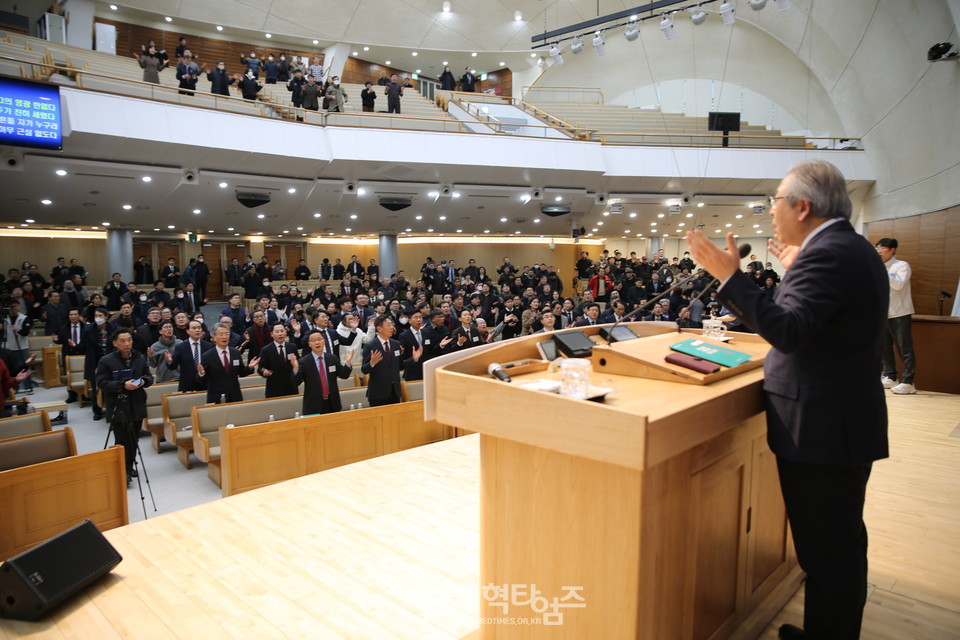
{"x": 773, "y": 199}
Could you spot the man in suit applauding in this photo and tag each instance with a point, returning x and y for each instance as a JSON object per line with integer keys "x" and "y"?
{"x": 318, "y": 371}
{"x": 187, "y": 357}
{"x": 222, "y": 367}
{"x": 381, "y": 362}
{"x": 275, "y": 365}
{"x": 826, "y": 414}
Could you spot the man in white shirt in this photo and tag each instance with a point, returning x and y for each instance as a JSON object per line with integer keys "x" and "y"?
{"x": 898, "y": 321}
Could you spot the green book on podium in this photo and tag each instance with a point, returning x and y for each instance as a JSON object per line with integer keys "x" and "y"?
{"x": 711, "y": 352}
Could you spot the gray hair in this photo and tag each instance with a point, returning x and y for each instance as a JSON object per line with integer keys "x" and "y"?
{"x": 221, "y": 325}
{"x": 823, "y": 186}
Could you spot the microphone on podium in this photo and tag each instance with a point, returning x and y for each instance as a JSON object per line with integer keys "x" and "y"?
{"x": 495, "y": 370}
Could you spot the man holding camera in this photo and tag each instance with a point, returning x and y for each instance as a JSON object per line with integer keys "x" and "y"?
{"x": 122, "y": 376}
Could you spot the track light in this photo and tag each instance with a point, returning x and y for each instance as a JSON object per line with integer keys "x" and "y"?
{"x": 632, "y": 31}
{"x": 576, "y": 46}
{"x": 555, "y": 54}
{"x": 757, "y": 5}
{"x": 726, "y": 14}
{"x": 598, "y": 44}
{"x": 698, "y": 17}
{"x": 666, "y": 25}
{"x": 782, "y": 5}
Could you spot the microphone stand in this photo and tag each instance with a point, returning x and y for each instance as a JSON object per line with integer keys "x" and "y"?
{"x": 680, "y": 282}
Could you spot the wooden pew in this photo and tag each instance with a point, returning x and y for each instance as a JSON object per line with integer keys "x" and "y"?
{"x": 31, "y": 423}
{"x": 257, "y": 455}
{"x": 177, "y": 409}
{"x": 53, "y": 489}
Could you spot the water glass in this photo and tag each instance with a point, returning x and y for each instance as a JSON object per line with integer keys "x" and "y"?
{"x": 575, "y": 377}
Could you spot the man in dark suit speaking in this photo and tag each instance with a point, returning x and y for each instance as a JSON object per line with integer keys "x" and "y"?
{"x": 318, "y": 371}
{"x": 187, "y": 356}
{"x": 826, "y": 413}
{"x": 381, "y": 362}
{"x": 222, "y": 367}
{"x": 275, "y": 364}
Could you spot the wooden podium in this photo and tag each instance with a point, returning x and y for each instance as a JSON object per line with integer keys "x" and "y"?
{"x": 655, "y": 514}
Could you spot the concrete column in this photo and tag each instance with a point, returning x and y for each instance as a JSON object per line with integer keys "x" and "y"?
{"x": 120, "y": 253}
{"x": 388, "y": 254}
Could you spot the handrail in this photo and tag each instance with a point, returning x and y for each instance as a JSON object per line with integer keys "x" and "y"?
{"x": 328, "y": 118}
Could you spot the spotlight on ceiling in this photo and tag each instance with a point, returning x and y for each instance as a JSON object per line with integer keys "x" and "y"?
{"x": 555, "y": 54}
{"x": 666, "y": 25}
{"x": 517, "y": 16}
{"x": 576, "y": 46}
{"x": 757, "y": 5}
{"x": 632, "y": 32}
{"x": 698, "y": 16}
{"x": 782, "y": 5}
{"x": 727, "y": 14}
{"x": 598, "y": 44}
{"x": 445, "y": 6}
{"x": 942, "y": 52}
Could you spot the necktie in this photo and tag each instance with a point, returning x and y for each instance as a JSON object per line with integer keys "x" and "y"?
{"x": 324, "y": 383}
{"x": 386, "y": 353}
{"x": 196, "y": 353}
{"x": 226, "y": 361}
{"x": 282, "y": 355}
{"x": 76, "y": 339}
{"x": 329, "y": 343}
{"x": 416, "y": 335}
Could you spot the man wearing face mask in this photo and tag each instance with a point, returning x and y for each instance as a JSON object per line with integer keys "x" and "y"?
{"x": 187, "y": 73}
{"x": 295, "y": 86}
{"x": 271, "y": 68}
{"x": 249, "y": 87}
{"x": 283, "y": 69}
{"x": 220, "y": 80}
{"x": 310, "y": 94}
{"x": 252, "y": 63}
{"x": 336, "y": 95}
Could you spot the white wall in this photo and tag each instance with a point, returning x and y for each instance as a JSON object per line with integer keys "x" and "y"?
{"x": 79, "y": 15}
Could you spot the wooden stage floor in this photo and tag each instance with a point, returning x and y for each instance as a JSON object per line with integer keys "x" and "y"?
{"x": 389, "y": 548}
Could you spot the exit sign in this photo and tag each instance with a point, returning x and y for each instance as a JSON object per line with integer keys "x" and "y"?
{"x": 191, "y": 238}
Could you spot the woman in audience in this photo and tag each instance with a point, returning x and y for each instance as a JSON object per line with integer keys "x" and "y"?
{"x": 529, "y": 317}
{"x": 447, "y": 81}
{"x": 352, "y": 338}
{"x": 152, "y": 65}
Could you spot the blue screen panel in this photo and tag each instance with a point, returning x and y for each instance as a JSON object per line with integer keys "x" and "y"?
{"x": 30, "y": 114}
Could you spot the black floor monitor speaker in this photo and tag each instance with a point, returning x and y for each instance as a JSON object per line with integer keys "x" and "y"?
{"x": 574, "y": 344}
{"x": 37, "y": 580}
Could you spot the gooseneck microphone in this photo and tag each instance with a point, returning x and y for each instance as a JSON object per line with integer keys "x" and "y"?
{"x": 744, "y": 252}
{"x": 495, "y": 370}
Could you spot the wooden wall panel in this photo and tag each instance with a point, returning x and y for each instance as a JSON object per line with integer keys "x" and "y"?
{"x": 357, "y": 71}
{"x": 211, "y": 255}
{"x": 928, "y": 242}
{"x": 43, "y": 252}
{"x": 501, "y": 79}
{"x": 205, "y": 50}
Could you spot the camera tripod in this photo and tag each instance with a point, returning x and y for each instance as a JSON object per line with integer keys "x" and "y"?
{"x": 134, "y": 433}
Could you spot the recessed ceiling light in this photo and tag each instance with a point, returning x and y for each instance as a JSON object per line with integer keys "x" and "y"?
{"x": 196, "y": 211}
{"x": 626, "y": 230}
{"x": 229, "y": 228}
{"x": 600, "y": 224}
{"x": 756, "y": 226}
{"x": 156, "y": 229}
{"x": 268, "y": 35}
{"x": 459, "y": 230}
{"x": 633, "y": 214}
{"x": 517, "y": 231}
{"x": 259, "y": 233}
{"x": 303, "y": 234}
{"x": 210, "y": 231}
{"x": 728, "y": 225}
{"x": 135, "y": 230}
{"x": 739, "y": 215}
{"x": 443, "y": 218}
{"x": 170, "y": 226}
{"x": 689, "y": 215}
{"x": 536, "y": 220}
{"x": 659, "y": 215}
{"x": 445, "y": 63}
{"x": 353, "y": 216}
{"x": 355, "y": 54}
{"x": 533, "y": 55}
{"x": 219, "y": 28}
{"x": 113, "y": 7}
{"x": 455, "y": 194}
{"x": 699, "y": 204}
{"x": 261, "y": 216}
{"x": 45, "y": 201}
{"x": 361, "y": 191}
{"x": 146, "y": 178}
{"x": 316, "y": 215}
{"x": 318, "y": 42}
{"x": 61, "y": 172}
{"x": 419, "y": 217}
{"x": 299, "y": 228}
{"x": 429, "y": 230}
{"x": 388, "y": 62}
{"x": 365, "y": 48}
{"x": 414, "y": 54}
{"x": 236, "y": 234}
{"x": 94, "y": 227}
{"x": 680, "y": 224}
{"x": 31, "y": 221}
{"x": 409, "y": 229}
{"x": 127, "y": 207}
{"x": 349, "y": 229}
{"x": 168, "y": 19}
{"x": 666, "y": 235}
{"x": 486, "y": 230}
{"x": 594, "y": 229}
{"x": 291, "y": 190}
{"x": 559, "y": 199}
{"x": 653, "y": 224}
{"x": 502, "y": 63}
{"x": 286, "y": 230}
{"x": 606, "y": 213}
{"x": 223, "y": 185}
{"x": 474, "y": 54}
{"x": 106, "y": 224}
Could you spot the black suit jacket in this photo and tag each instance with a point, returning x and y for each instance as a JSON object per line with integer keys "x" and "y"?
{"x": 183, "y": 361}
{"x": 824, "y": 400}
{"x": 385, "y": 376}
{"x": 312, "y": 389}
{"x": 414, "y": 370}
{"x": 472, "y": 335}
{"x": 220, "y": 382}
{"x": 280, "y": 382}
{"x": 66, "y": 334}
